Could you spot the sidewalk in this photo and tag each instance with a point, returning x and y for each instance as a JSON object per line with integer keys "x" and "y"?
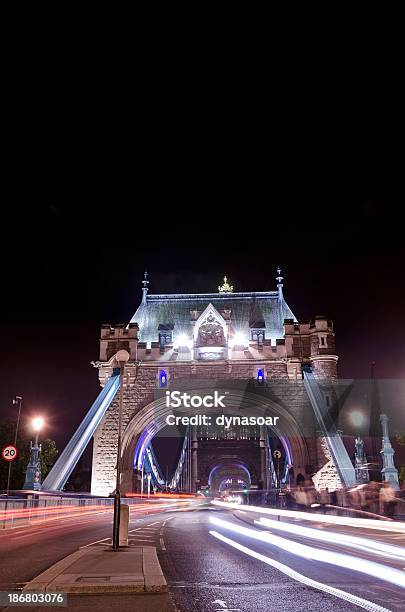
{"x": 99, "y": 569}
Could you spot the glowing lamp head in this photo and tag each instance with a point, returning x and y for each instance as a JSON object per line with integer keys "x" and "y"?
{"x": 357, "y": 418}
{"x": 182, "y": 340}
{"x": 239, "y": 339}
{"x": 260, "y": 376}
{"x": 162, "y": 378}
{"x": 122, "y": 357}
{"x": 37, "y": 423}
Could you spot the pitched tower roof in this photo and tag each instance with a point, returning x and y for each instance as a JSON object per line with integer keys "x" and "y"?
{"x": 263, "y": 309}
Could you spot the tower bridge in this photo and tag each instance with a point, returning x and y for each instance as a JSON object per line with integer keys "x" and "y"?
{"x": 250, "y": 348}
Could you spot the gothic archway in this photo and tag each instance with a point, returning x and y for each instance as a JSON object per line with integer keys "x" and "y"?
{"x": 152, "y": 418}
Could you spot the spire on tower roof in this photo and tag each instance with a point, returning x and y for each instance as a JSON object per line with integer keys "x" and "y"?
{"x": 145, "y": 284}
{"x": 279, "y": 280}
{"x": 226, "y": 287}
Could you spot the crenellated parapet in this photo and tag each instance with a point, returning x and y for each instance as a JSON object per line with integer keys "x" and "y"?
{"x": 120, "y": 336}
{"x": 303, "y": 344}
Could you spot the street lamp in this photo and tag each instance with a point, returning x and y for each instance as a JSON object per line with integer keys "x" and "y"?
{"x": 33, "y": 473}
{"x": 37, "y": 424}
{"x": 121, "y": 358}
{"x": 357, "y": 418}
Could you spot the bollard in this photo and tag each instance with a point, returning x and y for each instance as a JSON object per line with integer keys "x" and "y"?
{"x": 124, "y": 524}
{"x": 116, "y": 520}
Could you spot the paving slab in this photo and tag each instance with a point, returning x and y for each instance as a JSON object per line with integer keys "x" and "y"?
{"x": 100, "y": 570}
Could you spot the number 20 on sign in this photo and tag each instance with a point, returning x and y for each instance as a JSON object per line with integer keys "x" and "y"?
{"x": 9, "y": 453}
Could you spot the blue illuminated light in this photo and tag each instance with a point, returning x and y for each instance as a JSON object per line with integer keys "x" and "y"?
{"x": 162, "y": 378}
{"x": 260, "y": 376}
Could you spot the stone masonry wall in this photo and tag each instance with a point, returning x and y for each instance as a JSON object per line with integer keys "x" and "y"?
{"x": 139, "y": 391}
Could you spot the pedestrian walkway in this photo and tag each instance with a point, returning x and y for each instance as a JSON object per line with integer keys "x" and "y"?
{"x": 99, "y": 569}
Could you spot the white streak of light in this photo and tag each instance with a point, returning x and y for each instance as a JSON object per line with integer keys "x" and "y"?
{"x": 365, "y": 544}
{"x": 377, "y": 570}
{"x": 395, "y": 526}
{"x": 358, "y": 601}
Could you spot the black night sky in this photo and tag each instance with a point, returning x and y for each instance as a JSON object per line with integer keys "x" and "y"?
{"x": 77, "y": 239}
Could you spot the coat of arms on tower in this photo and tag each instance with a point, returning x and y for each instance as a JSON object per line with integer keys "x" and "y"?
{"x": 226, "y": 287}
{"x": 211, "y": 333}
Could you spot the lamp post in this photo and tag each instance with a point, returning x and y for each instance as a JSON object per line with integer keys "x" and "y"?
{"x": 389, "y": 471}
{"x": 121, "y": 358}
{"x": 33, "y": 473}
{"x": 358, "y": 420}
{"x": 16, "y": 400}
{"x": 360, "y": 460}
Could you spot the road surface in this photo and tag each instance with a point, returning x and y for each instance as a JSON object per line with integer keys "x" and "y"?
{"x": 213, "y": 561}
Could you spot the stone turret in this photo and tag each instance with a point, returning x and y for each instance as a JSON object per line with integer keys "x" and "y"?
{"x": 313, "y": 344}
{"x": 120, "y": 336}
{"x": 323, "y": 351}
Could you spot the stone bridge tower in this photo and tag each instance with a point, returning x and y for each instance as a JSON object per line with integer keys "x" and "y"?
{"x": 223, "y": 335}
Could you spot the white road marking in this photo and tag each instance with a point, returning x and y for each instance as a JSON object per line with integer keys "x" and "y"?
{"x": 162, "y": 544}
{"x": 224, "y": 606}
{"x": 142, "y": 540}
{"x": 96, "y": 542}
{"x": 150, "y": 528}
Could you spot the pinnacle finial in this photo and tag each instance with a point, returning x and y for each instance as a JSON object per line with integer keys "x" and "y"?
{"x": 145, "y": 284}
{"x": 226, "y": 287}
{"x": 145, "y": 281}
{"x": 279, "y": 279}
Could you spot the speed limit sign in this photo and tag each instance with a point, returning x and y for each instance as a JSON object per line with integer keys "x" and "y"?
{"x": 9, "y": 452}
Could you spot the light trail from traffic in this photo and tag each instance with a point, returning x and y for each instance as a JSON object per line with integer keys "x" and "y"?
{"x": 358, "y": 601}
{"x": 382, "y": 525}
{"x": 357, "y": 564}
{"x": 172, "y": 496}
{"x": 53, "y": 513}
{"x": 364, "y": 544}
